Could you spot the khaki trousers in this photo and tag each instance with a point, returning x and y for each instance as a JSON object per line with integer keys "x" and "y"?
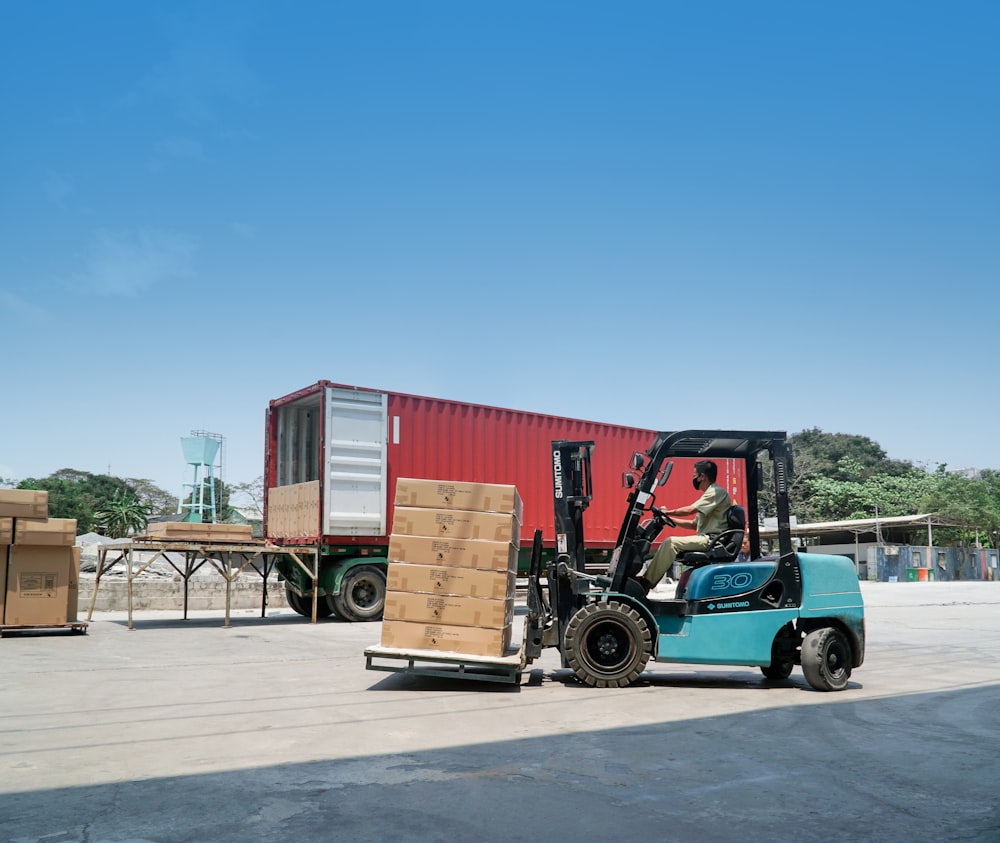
{"x": 664, "y": 557}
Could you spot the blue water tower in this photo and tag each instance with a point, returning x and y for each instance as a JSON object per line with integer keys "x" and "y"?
{"x": 200, "y": 454}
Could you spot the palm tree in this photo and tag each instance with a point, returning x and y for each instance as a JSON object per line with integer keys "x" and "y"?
{"x": 123, "y": 515}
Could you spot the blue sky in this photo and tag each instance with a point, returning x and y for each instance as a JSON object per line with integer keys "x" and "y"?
{"x": 776, "y": 215}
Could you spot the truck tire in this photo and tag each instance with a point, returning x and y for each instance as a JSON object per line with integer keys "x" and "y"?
{"x": 826, "y": 659}
{"x": 607, "y": 644}
{"x": 362, "y": 594}
{"x": 304, "y": 605}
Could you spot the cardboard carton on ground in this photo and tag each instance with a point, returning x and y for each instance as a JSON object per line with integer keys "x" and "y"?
{"x": 73, "y": 591}
{"x": 38, "y": 585}
{"x": 6, "y": 530}
{"x": 462, "y": 582}
{"x": 57, "y": 532}
{"x": 447, "y": 494}
{"x": 456, "y": 524}
{"x": 24, "y": 503}
{"x": 453, "y": 553}
{"x": 466, "y": 640}
{"x": 449, "y": 609}
{"x": 4, "y": 550}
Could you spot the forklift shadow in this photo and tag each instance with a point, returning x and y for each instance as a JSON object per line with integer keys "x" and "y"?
{"x": 731, "y": 680}
{"x": 420, "y": 683}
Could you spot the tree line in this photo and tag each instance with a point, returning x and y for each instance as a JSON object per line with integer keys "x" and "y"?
{"x": 836, "y": 477}
{"x": 117, "y": 506}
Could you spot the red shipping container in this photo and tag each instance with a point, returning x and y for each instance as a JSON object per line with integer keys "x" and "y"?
{"x": 353, "y": 443}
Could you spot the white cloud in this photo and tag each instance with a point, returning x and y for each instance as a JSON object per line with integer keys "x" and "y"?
{"x": 129, "y": 263}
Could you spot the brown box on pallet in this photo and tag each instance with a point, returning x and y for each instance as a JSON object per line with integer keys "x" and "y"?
{"x": 453, "y": 553}
{"x": 449, "y": 609}
{"x": 6, "y": 530}
{"x": 462, "y": 582}
{"x": 57, "y": 532}
{"x": 38, "y": 585}
{"x": 456, "y": 524}
{"x": 24, "y": 503}
{"x": 446, "y": 494}
{"x": 467, "y": 640}
{"x": 197, "y": 531}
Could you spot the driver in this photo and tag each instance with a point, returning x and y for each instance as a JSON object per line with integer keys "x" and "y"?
{"x": 710, "y": 520}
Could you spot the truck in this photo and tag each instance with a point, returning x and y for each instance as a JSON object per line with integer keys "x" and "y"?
{"x": 770, "y": 611}
{"x": 333, "y": 454}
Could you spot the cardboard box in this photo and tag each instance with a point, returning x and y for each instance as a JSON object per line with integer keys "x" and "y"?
{"x": 467, "y": 640}
{"x": 56, "y": 532}
{"x": 38, "y": 585}
{"x": 462, "y": 582}
{"x": 24, "y": 503}
{"x": 456, "y": 524}
{"x": 453, "y": 553}
{"x": 6, "y": 530}
{"x": 448, "y": 609}
{"x": 73, "y": 591}
{"x": 197, "y": 531}
{"x": 4, "y": 550}
{"x": 445, "y": 494}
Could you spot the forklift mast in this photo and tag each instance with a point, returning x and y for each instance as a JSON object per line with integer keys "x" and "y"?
{"x": 572, "y": 491}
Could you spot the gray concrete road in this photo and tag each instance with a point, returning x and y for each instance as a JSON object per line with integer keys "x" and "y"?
{"x": 273, "y": 730}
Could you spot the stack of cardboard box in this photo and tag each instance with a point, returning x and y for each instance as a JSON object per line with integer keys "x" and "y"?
{"x": 39, "y": 562}
{"x": 452, "y": 567}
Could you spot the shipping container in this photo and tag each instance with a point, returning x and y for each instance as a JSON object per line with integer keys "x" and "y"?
{"x": 334, "y": 452}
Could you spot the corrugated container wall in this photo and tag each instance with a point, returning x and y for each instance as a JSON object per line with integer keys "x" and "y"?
{"x": 449, "y": 440}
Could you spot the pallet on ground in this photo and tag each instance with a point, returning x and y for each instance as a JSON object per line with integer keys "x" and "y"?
{"x": 445, "y": 665}
{"x": 75, "y": 627}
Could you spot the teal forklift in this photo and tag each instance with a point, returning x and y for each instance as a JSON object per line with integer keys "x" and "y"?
{"x": 772, "y": 612}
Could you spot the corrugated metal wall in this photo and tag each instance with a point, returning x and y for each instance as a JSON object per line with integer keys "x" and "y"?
{"x": 447, "y": 440}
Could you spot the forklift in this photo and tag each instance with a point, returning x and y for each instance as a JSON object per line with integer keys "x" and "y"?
{"x": 772, "y": 612}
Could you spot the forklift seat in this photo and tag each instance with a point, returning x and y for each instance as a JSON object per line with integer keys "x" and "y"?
{"x": 725, "y": 547}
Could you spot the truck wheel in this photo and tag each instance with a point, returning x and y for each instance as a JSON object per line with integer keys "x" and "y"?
{"x": 826, "y": 659}
{"x": 362, "y": 595}
{"x": 607, "y": 644}
{"x": 304, "y": 605}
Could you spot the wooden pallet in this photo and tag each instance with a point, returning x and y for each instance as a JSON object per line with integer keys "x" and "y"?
{"x": 75, "y": 627}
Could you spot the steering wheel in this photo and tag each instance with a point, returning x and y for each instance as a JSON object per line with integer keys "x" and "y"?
{"x": 661, "y": 515}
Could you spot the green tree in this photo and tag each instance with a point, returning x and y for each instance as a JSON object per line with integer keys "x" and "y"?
{"x": 972, "y": 505}
{"x": 123, "y": 515}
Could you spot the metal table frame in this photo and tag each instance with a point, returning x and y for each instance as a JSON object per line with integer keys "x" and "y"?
{"x": 228, "y": 559}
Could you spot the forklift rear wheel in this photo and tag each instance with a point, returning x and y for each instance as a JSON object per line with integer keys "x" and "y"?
{"x": 607, "y": 644}
{"x": 778, "y": 669}
{"x": 781, "y": 664}
{"x": 304, "y": 605}
{"x": 826, "y": 659}
{"x": 362, "y": 595}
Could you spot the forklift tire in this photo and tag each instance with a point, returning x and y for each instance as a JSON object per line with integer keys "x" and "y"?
{"x": 826, "y": 659}
{"x": 362, "y": 595}
{"x": 607, "y": 644}
{"x": 777, "y": 669}
{"x": 304, "y": 605}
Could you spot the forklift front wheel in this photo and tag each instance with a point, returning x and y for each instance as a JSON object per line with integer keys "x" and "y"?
{"x": 826, "y": 659}
{"x": 607, "y": 644}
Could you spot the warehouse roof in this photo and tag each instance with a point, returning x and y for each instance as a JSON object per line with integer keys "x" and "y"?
{"x": 860, "y": 525}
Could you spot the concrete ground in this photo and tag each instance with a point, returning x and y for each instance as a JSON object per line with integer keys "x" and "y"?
{"x": 272, "y": 730}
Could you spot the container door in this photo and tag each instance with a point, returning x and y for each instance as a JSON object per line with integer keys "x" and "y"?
{"x": 355, "y": 434}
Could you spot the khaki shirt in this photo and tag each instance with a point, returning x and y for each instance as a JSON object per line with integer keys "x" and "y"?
{"x": 711, "y": 506}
